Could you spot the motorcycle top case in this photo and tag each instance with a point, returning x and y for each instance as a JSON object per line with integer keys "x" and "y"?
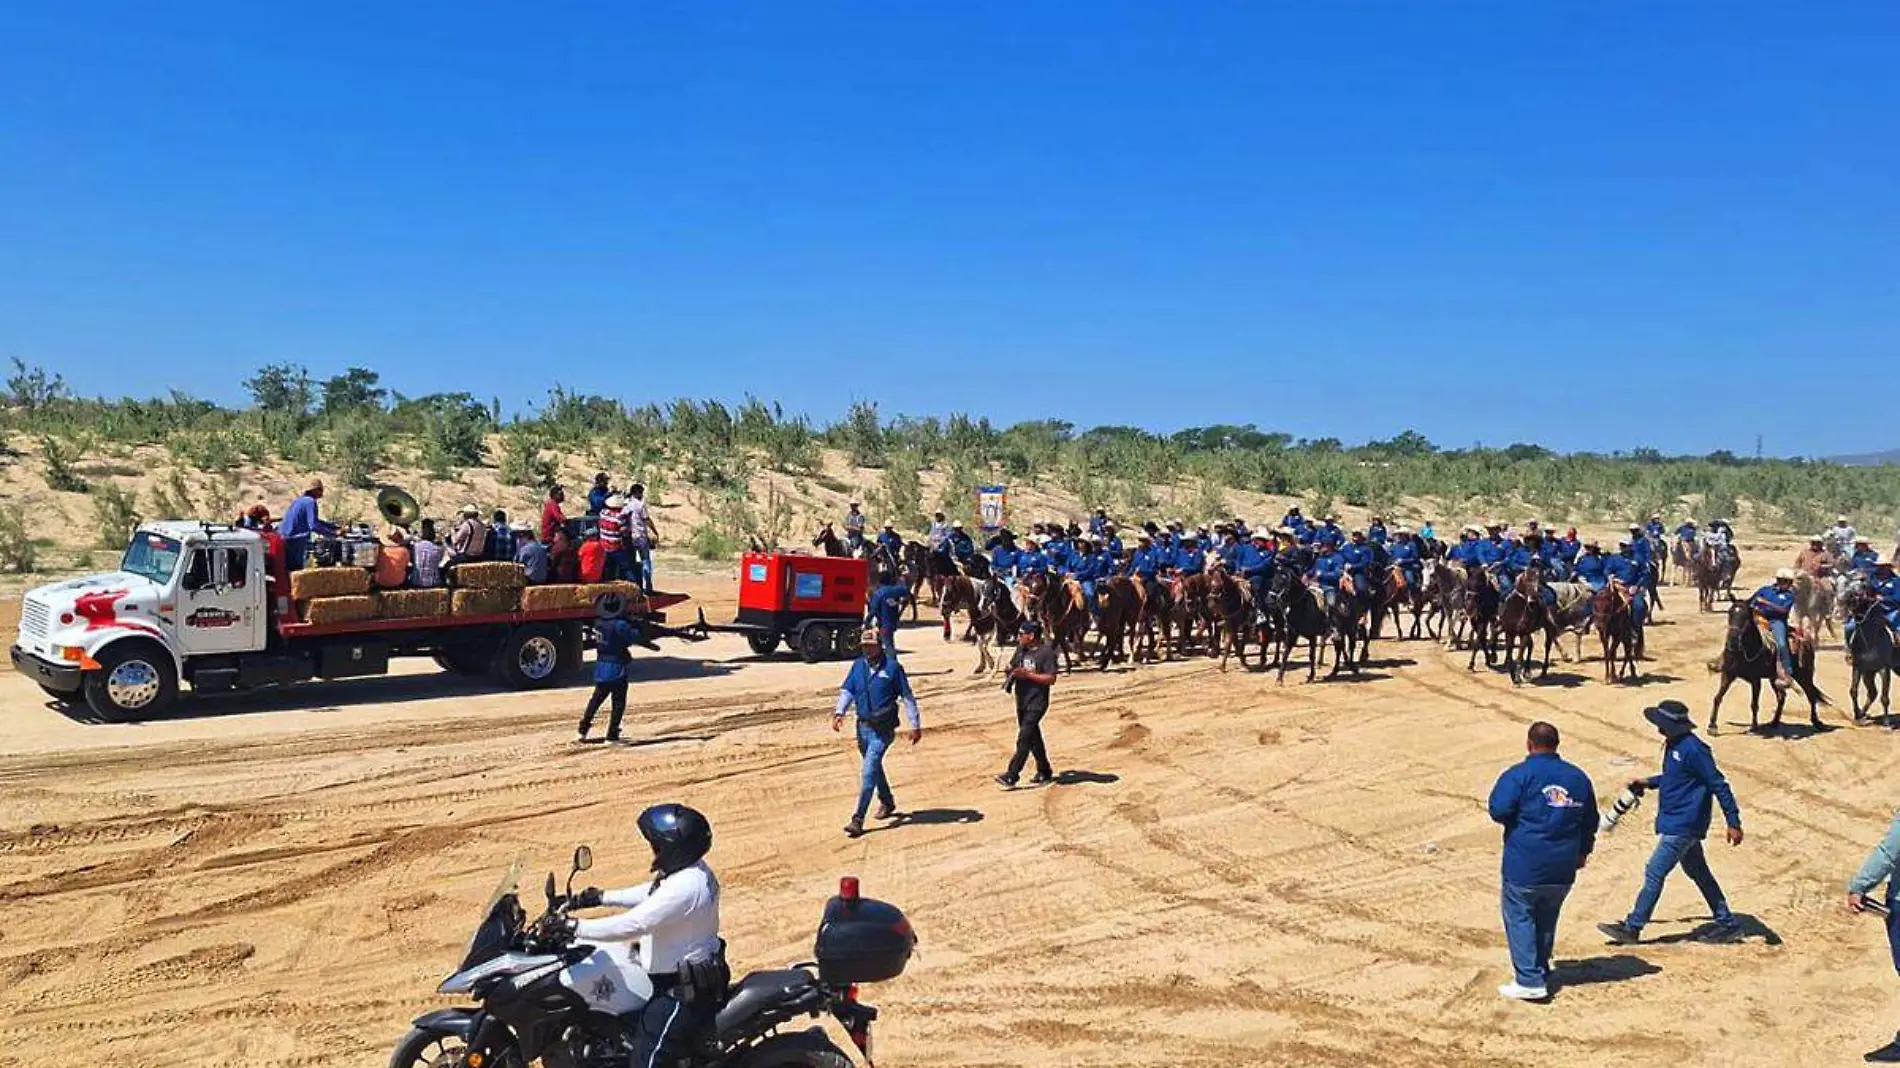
{"x": 863, "y": 941}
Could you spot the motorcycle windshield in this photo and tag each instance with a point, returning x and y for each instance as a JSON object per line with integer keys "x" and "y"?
{"x": 501, "y": 921}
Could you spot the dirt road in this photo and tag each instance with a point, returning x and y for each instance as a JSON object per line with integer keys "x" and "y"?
{"x": 1231, "y": 873}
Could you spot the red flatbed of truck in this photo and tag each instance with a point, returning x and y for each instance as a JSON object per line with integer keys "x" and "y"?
{"x": 656, "y": 605}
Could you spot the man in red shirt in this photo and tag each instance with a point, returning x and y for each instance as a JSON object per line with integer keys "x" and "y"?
{"x": 552, "y": 518}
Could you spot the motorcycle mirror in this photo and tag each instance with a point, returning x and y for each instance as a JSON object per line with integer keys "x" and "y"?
{"x": 550, "y": 889}
{"x": 583, "y": 858}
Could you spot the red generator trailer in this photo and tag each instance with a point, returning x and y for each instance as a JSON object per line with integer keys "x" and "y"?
{"x": 813, "y": 603}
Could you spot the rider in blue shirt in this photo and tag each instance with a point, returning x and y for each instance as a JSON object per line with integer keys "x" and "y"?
{"x": 1407, "y": 557}
{"x": 1253, "y": 561}
{"x": 1864, "y": 559}
{"x": 1358, "y": 557}
{"x": 1293, "y": 520}
{"x": 1188, "y": 559}
{"x": 1654, "y": 528}
{"x": 1375, "y": 531}
{"x": 1329, "y": 533}
{"x": 1773, "y": 603}
{"x": 1114, "y": 542}
{"x": 1492, "y": 549}
{"x": 1624, "y": 568}
{"x": 1032, "y": 561}
{"x": 1098, "y": 523}
{"x": 1003, "y": 554}
{"x": 890, "y": 539}
{"x": 1328, "y": 569}
{"x": 1686, "y": 533}
{"x": 959, "y": 543}
{"x": 1592, "y": 569}
{"x": 1887, "y": 585}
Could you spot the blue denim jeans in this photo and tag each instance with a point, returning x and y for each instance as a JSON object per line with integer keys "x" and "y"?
{"x": 640, "y": 556}
{"x": 619, "y": 566}
{"x": 872, "y": 742}
{"x": 1530, "y": 929}
{"x": 1893, "y": 921}
{"x": 1671, "y": 850}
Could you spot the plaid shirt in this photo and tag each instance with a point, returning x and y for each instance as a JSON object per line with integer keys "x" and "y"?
{"x": 428, "y": 563}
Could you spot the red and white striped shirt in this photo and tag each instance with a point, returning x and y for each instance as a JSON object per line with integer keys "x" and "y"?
{"x": 612, "y": 530}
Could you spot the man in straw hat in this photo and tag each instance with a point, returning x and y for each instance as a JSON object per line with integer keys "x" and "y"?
{"x": 531, "y": 552}
{"x": 1687, "y": 790}
{"x": 875, "y": 686}
{"x": 1774, "y": 603}
{"x": 301, "y": 523}
{"x": 468, "y": 541}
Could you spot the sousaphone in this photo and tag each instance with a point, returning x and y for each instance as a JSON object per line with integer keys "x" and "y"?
{"x": 396, "y": 507}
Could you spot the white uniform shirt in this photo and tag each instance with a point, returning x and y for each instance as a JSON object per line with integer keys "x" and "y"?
{"x": 635, "y": 520}
{"x": 674, "y": 921}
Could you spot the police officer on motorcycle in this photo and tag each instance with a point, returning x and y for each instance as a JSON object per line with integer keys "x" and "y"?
{"x": 675, "y": 920}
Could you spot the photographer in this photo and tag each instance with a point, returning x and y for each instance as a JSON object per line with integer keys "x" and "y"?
{"x": 1031, "y": 672}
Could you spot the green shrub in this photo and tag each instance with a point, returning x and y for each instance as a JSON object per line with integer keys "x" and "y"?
{"x": 115, "y": 515}
{"x": 708, "y": 542}
{"x": 522, "y": 463}
{"x": 204, "y": 449}
{"x": 18, "y": 553}
{"x": 358, "y": 447}
{"x": 60, "y": 455}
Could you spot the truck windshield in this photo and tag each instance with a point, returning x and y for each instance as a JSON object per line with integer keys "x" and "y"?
{"x": 152, "y": 556}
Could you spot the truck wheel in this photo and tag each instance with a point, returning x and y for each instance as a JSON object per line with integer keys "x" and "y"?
{"x": 815, "y": 643}
{"x": 845, "y": 645}
{"x": 135, "y": 680}
{"x": 62, "y": 698}
{"x": 531, "y": 658}
{"x": 762, "y": 642}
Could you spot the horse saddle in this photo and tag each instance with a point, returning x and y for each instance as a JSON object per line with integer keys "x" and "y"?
{"x": 1798, "y": 640}
{"x": 1074, "y": 591}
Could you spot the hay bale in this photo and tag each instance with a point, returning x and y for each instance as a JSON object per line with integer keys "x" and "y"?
{"x": 490, "y": 576}
{"x": 555, "y": 598}
{"x": 412, "y": 604}
{"x": 327, "y": 610}
{"x": 313, "y": 582}
{"x": 484, "y": 602}
{"x": 636, "y": 597}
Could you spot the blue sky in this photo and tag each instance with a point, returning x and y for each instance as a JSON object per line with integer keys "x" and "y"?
{"x": 1594, "y": 225}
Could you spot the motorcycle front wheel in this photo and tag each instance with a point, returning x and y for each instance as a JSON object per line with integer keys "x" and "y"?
{"x": 433, "y": 1049}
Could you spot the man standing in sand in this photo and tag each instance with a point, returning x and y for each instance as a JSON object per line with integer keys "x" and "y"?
{"x": 1031, "y": 673}
{"x": 876, "y": 685}
{"x": 1687, "y": 790}
{"x": 1549, "y": 813}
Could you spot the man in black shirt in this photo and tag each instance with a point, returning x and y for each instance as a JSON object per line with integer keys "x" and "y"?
{"x": 1031, "y": 672}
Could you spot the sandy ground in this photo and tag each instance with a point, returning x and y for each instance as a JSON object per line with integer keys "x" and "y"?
{"x": 1232, "y": 873}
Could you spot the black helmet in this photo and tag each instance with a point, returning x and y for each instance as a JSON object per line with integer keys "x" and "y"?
{"x": 679, "y": 837}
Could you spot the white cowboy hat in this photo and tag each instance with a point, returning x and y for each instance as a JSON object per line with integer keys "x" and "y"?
{"x": 1784, "y": 574}
{"x": 616, "y": 501}
{"x": 469, "y": 509}
{"x": 1840, "y": 519}
{"x": 1622, "y": 543}
{"x": 957, "y": 525}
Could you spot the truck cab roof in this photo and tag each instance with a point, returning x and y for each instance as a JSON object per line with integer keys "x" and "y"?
{"x": 191, "y": 532}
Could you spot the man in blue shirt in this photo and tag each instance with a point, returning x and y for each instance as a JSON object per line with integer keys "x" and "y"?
{"x": 1686, "y": 534}
{"x": 614, "y": 639}
{"x": 1144, "y": 565}
{"x": 1032, "y": 563}
{"x": 1329, "y": 533}
{"x": 597, "y": 496}
{"x": 1549, "y": 812}
{"x": 1254, "y": 563}
{"x": 1293, "y": 520}
{"x": 891, "y": 541}
{"x": 1003, "y": 558}
{"x": 1773, "y": 603}
{"x": 1375, "y": 530}
{"x": 1328, "y": 570}
{"x": 886, "y": 607}
{"x": 1654, "y": 528}
{"x": 1591, "y": 568}
{"x": 1098, "y": 523}
{"x": 531, "y": 553}
{"x": 1188, "y": 558}
{"x": 1114, "y": 543}
{"x": 1864, "y": 559}
{"x": 1465, "y": 553}
{"x": 301, "y": 524}
{"x": 959, "y": 544}
{"x": 1491, "y": 549}
{"x": 875, "y": 685}
{"x": 1407, "y": 557}
{"x": 1624, "y": 569}
{"x": 1687, "y": 789}
{"x": 1357, "y": 555}
{"x": 1887, "y": 585}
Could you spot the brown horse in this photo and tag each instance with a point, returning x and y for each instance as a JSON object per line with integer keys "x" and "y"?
{"x": 1682, "y": 554}
{"x": 1064, "y": 616}
{"x": 1118, "y": 602}
{"x": 1157, "y": 611}
{"x": 1230, "y": 614}
{"x": 1190, "y": 613}
{"x": 828, "y": 540}
{"x": 1522, "y": 615}
{"x": 1481, "y": 608}
{"x": 961, "y": 595}
{"x": 1749, "y": 656}
{"x": 1613, "y": 617}
{"x": 1813, "y": 604}
{"x": 1446, "y": 585}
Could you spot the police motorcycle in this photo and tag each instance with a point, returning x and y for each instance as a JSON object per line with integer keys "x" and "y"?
{"x": 542, "y": 998}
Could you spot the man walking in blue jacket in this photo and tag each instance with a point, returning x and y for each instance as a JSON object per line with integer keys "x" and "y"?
{"x": 1549, "y": 813}
{"x": 1687, "y": 790}
{"x": 875, "y": 686}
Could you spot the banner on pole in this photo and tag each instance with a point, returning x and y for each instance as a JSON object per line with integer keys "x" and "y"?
{"x": 992, "y": 507}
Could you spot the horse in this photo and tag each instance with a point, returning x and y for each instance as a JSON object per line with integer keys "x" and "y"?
{"x": 1522, "y": 616}
{"x": 1813, "y": 604}
{"x": 1352, "y": 645}
{"x": 915, "y": 567}
{"x": 1706, "y": 572}
{"x": 828, "y": 540}
{"x": 1481, "y": 607}
{"x": 961, "y": 595}
{"x": 1572, "y": 612}
{"x": 1659, "y": 552}
{"x": 1613, "y": 614}
{"x": 1682, "y": 555}
{"x": 1749, "y": 656}
{"x": 1399, "y": 595}
{"x": 1871, "y": 655}
{"x": 1446, "y": 586}
{"x": 1297, "y": 614}
{"x": 1064, "y": 616}
{"x": 1190, "y": 608}
{"x": 1118, "y": 601}
{"x": 1157, "y": 604}
{"x": 1230, "y": 612}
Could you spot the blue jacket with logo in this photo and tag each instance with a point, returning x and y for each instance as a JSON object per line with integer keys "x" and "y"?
{"x": 1639, "y": 550}
{"x": 1889, "y": 592}
{"x": 1624, "y": 569}
{"x": 614, "y": 640}
{"x": 1330, "y": 534}
{"x": 1357, "y": 557}
{"x": 1376, "y": 534}
{"x": 1405, "y": 553}
{"x": 1032, "y": 562}
{"x": 1143, "y": 563}
{"x": 1549, "y": 813}
{"x": 1863, "y": 562}
{"x": 887, "y": 604}
{"x": 1328, "y": 570}
{"x": 1465, "y": 552}
{"x": 1688, "y": 788}
{"x": 1003, "y": 560}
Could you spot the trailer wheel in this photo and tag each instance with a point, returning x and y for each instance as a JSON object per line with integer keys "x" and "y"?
{"x": 464, "y": 660}
{"x": 531, "y": 657}
{"x": 762, "y": 642}
{"x": 815, "y": 643}
{"x": 845, "y": 646}
{"x": 135, "y": 680}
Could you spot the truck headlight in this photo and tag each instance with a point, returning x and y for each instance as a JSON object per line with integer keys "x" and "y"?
{"x": 69, "y": 653}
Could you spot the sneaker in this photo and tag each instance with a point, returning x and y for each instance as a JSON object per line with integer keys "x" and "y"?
{"x": 613, "y": 739}
{"x": 1722, "y": 934}
{"x": 1887, "y": 1054}
{"x": 1042, "y": 780}
{"x": 854, "y": 828}
{"x": 1523, "y": 993}
{"x": 1007, "y": 782}
{"x": 884, "y": 811}
{"x": 1620, "y": 933}
{"x": 581, "y": 738}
